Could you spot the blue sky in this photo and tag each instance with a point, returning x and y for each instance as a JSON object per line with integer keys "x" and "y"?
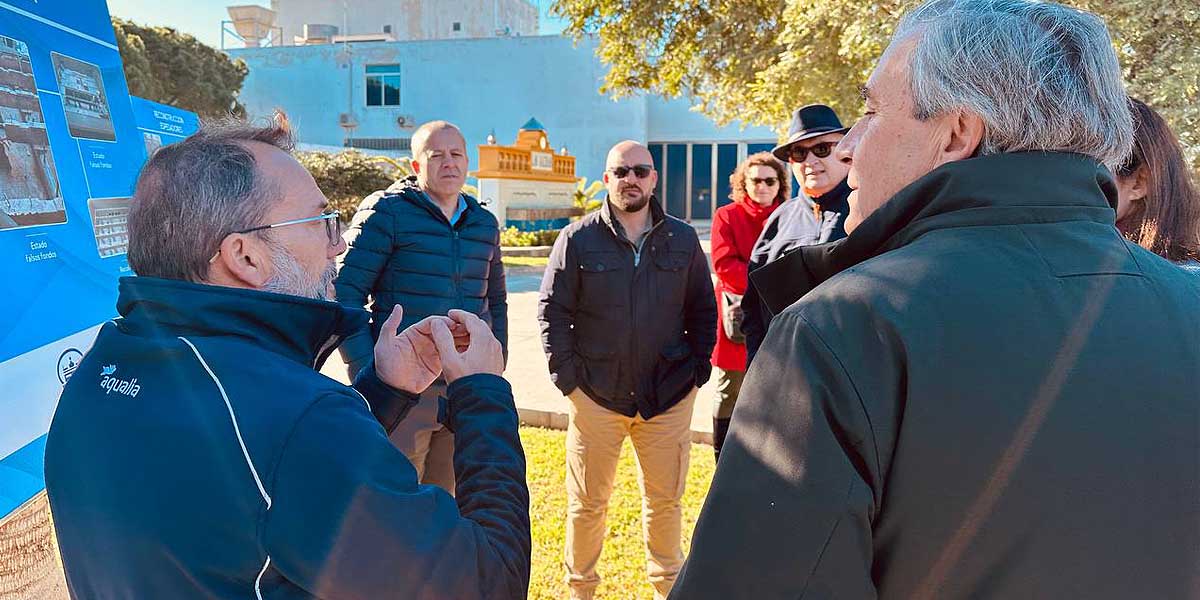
{"x": 202, "y": 18}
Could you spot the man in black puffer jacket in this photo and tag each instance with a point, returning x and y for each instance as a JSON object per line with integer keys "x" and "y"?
{"x": 425, "y": 245}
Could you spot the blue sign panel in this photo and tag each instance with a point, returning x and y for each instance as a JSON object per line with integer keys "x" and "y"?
{"x": 161, "y": 124}
{"x": 71, "y": 144}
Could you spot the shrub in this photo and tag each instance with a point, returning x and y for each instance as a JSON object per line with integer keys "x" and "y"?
{"x": 515, "y": 237}
{"x": 347, "y": 177}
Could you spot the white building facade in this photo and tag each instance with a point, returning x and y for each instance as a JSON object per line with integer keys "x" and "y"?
{"x": 372, "y": 95}
{"x": 406, "y": 20}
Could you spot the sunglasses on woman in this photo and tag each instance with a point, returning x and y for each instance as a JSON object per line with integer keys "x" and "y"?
{"x": 799, "y": 153}
{"x": 770, "y": 181}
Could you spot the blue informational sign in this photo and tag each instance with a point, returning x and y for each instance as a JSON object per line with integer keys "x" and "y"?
{"x": 161, "y": 124}
{"x": 71, "y": 143}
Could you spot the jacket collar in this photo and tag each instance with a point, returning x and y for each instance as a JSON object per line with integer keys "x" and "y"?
{"x": 833, "y": 200}
{"x": 410, "y": 191}
{"x": 1001, "y": 189}
{"x": 757, "y": 212}
{"x": 657, "y": 216}
{"x": 301, "y": 329}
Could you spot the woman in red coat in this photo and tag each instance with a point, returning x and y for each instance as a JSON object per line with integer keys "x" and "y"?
{"x": 757, "y": 187}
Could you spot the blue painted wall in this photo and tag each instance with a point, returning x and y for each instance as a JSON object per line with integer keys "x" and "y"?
{"x": 479, "y": 84}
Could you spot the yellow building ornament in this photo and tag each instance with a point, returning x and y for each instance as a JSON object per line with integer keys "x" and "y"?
{"x": 527, "y": 185}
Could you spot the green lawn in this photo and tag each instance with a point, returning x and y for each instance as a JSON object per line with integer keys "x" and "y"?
{"x": 525, "y": 261}
{"x": 623, "y": 564}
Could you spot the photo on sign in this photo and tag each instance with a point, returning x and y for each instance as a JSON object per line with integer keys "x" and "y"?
{"x": 29, "y": 192}
{"x": 153, "y": 142}
{"x": 110, "y": 219}
{"x": 83, "y": 98}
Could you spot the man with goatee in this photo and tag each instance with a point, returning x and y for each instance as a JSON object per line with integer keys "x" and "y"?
{"x": 628, "y": 319}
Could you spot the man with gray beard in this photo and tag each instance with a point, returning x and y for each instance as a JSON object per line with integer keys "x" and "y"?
{"x": 289, "y": 276}
{"x": 198, "y": 453}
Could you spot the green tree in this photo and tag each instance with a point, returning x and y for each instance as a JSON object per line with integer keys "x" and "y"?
{"x": 174, "y": 68}
{"x": 587, "y": 197}
{"x": 349, "y": 176}
{"x": 756, "y": 60}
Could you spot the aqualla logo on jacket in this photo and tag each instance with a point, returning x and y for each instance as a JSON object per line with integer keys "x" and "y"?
{"x": 110, "y": 383}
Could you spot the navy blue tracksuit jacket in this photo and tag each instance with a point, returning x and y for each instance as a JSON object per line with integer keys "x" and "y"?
{"x": 198, "y": 453}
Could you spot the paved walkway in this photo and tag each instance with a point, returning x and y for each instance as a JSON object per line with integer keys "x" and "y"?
{"x": 541, "y": 403}
{"x": 538, "y": 401}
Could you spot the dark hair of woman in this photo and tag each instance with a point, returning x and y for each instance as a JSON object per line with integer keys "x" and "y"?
{"x": 1166, "y": 219}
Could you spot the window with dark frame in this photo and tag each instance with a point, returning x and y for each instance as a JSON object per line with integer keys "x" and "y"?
{"x": 383, "y": 85}
{"x": 457, "y": 26}
{"x": 693, "y": 177}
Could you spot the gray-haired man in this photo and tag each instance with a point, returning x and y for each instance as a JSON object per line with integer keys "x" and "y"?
{"x": 424, "y": 245}
{"x": 989, "y": 393}
{"x": 197, "y": 453}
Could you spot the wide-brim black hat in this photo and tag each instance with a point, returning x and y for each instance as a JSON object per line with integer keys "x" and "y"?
{"x": 809, "y": 122}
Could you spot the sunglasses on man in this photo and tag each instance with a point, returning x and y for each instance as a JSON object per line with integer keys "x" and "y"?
{"x": 798, "y": 153}
{"x": 641, "y": 171}
{"x": 333, "y": 227}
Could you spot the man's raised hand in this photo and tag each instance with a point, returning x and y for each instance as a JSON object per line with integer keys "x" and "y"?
{"x": 408, "y": 360}
{"x": 483, "y": 353}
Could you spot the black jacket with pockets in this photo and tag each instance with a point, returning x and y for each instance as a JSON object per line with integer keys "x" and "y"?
{"x": 633, "y": 330}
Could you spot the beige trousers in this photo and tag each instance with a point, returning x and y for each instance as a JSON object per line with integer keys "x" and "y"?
{"x": 661, "y": 445}
{"x": 428, "y": 445}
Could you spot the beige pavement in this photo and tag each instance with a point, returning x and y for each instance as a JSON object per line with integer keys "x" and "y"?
{"x": 530, "y": 376}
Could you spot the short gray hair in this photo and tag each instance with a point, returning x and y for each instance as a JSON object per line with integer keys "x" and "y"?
{"x": 192, "y": 194}
{"x": 421, "y": 135}
{"x": 1041, "y": 75}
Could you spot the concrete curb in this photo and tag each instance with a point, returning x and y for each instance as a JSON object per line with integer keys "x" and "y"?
{"x": 530, "y": 251}
{"x": 557, "y": 420}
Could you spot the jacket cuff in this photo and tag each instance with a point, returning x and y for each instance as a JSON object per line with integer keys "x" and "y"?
{"x": 358, "y": 351}
{"x": 566, "y": 377}
{"x": 389, "y": 405}
{"x": 467, "y": 392}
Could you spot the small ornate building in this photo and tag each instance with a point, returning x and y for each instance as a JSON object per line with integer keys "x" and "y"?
{"x": 527, "y": 185}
